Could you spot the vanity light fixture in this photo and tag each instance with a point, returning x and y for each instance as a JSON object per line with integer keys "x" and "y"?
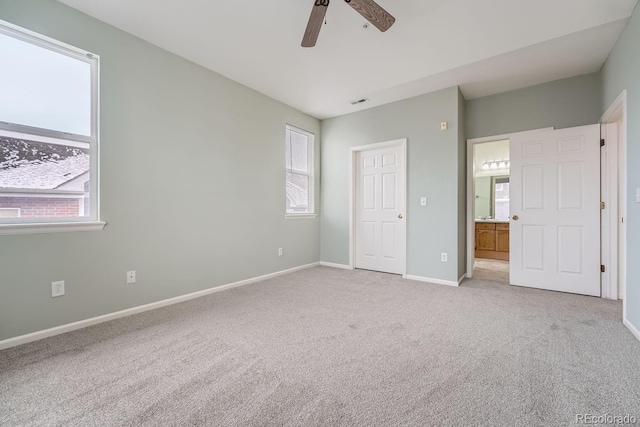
{"x": 496, "y": 164}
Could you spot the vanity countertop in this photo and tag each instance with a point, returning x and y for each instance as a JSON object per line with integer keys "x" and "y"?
{"x": 495, "y": 221}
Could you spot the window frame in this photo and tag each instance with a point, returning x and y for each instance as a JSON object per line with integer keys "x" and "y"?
{"x": 14, "y": 130}
{"x": 311, "y": 174}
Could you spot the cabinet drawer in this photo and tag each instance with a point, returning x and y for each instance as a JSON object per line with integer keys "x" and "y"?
{"x": 502, "y": 226}
{"x": 485, "y": 226}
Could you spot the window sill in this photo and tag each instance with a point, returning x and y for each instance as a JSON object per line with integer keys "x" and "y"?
{"x": 54, "y": 227}
{"x": 300, "y": 216}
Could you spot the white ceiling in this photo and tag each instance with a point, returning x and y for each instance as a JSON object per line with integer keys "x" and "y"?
{"x": 485, "y": 46}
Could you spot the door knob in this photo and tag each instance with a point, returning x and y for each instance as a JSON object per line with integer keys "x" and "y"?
{"x": 515, "y": 217}
{"x": 400, "y": 216}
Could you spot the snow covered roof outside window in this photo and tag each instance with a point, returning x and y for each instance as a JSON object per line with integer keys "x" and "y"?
{"x": 297, "y": 196}
{"x": 36, "y": 165}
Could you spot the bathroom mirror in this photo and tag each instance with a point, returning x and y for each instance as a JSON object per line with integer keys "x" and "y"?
{"x": 492, "y": 197}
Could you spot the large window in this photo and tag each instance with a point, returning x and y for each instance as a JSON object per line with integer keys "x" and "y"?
{"x": 299, "y": 165}
{"x": 48, "y": 130}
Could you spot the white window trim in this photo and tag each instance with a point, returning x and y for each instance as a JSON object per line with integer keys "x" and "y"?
{"x": 49, "y": 225}
{"x": 12, "y": 209}
{"x": 300, "y": 215}
{"x": 39, "y": 228}
{"x": 312, "y": 182}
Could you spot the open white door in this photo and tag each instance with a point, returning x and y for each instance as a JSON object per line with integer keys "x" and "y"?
{"x": 555, "y": 210}
{"x": 380, "y": 226}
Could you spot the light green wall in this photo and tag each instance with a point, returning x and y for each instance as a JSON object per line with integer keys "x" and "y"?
{"x": 622, "y": 71}
{"x": 432, "y": 166}
{"x": 192, "y": 169}
{"x": 561, "y": 104}
{"x": 192, "y": 185}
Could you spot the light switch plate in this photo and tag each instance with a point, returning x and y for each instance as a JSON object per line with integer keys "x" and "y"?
{"x": 423, "y": 201}
{"x": 638, "y": 195}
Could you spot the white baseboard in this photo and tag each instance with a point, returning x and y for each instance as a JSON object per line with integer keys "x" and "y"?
{"x": 334, "y": 265}
{"x": 35, "y": 336}
{"x": 632, "y": 328}
{"x": 461, "y": 279}
{"x": 435, "y": 281}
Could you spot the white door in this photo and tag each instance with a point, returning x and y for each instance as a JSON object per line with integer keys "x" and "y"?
{"x": 380, "y": 225}
{"x": 555, "y": 210}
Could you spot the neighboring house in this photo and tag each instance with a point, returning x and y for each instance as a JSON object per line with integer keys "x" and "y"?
{"x": 39, "y": 179}
{"x": 297, "y": 198}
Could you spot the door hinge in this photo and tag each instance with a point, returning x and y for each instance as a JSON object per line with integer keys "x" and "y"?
{"x": 602, "y": 143}
{"x": 602, "y": 205}
{"x": 602, "y": 268}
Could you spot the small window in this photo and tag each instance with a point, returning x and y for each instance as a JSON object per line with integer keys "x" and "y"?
{"x": 500, "y": 196}
{"x": 48, "y": 130}
{"x": 299, "y": 171}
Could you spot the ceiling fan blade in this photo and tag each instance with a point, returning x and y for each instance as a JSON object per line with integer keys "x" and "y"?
{"x": 372, "y": 12}
{"x": 315, "y": 24}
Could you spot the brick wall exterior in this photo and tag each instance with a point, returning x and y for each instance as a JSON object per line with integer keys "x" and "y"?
{"x": 41, "y": 206}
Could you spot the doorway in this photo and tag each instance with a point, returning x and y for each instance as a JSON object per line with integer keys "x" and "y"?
{"x": 491, "y": 206}
{"x": 378, "y": 231}
{"x": 479, "y": 270}
{"x": 611, "y": 254}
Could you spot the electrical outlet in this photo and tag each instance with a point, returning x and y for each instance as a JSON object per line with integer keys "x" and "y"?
{"x": 280, "y": 252}
{"x": 444, "y": 257}
{"x": 131, "y": 277}
{"x": 444, "y": 125}
{"x": 423, "y": 201}
{"x": 57, "y": 289}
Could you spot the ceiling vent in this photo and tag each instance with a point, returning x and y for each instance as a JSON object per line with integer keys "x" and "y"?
{"x": 359, "y": 101}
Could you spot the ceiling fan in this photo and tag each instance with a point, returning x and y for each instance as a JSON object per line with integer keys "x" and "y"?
{"x": 369, "y": 9}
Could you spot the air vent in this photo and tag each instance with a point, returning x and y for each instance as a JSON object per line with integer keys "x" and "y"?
{"x": 359, "y": 101}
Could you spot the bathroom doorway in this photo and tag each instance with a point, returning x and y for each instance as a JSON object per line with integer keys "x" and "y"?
{"x": 491, "y": 210}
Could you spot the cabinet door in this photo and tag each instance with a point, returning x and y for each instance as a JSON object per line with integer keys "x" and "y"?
{"x": 502, "y": 241}
{"x": 486, "y": 240}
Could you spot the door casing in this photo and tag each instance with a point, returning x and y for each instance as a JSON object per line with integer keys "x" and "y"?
{"x": 614, "y": 224}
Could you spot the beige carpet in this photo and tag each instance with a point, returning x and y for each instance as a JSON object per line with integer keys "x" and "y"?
{"x": 335, "y": 348}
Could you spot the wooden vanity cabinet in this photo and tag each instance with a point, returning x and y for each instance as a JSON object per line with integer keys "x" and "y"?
{"x": 502, "y": 237}
{"x": 485, "y": 236}
{"x": 492, "y": 240}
